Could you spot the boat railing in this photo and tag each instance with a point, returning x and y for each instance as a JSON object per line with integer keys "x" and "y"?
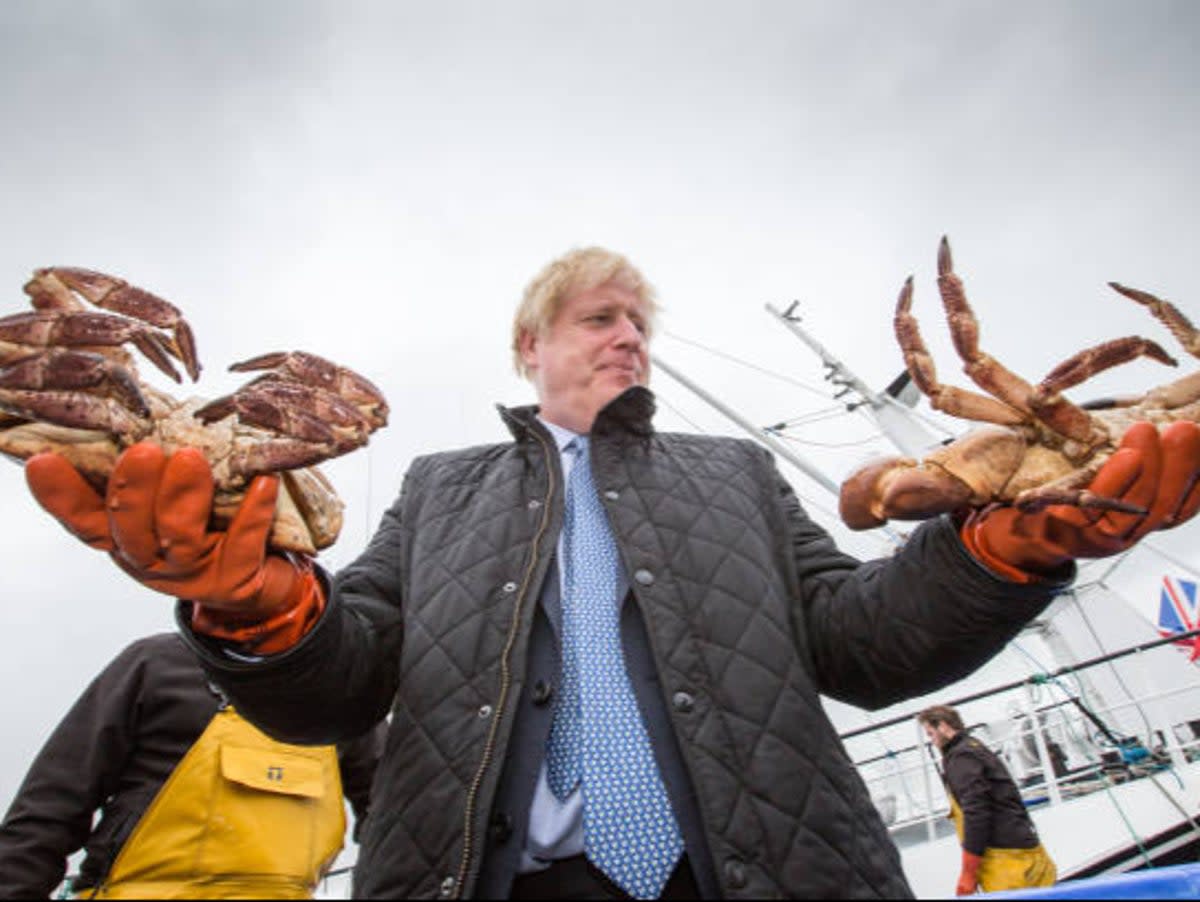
{"x": 1056, "y": 750}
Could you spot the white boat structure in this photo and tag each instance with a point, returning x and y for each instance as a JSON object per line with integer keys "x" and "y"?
{"x": 1097, "y": 716}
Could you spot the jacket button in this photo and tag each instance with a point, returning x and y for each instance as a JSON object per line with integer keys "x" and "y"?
{"x": 644, "y": 577}
{"x": 612, "y": 494}
{"x": 542, "y": 692}
{"x": 509, "y": 587}
{"x": 735, "y": 873}
{"x": 446, "y": 890}
{"x": 683, "y": 702}
{"x": 534, "y": 503}
{"x": 485, "y": 711}
{"x": 501, "y": 827}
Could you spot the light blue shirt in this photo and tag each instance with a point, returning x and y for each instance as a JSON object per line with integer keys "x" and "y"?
{"x": 555, "y": 828}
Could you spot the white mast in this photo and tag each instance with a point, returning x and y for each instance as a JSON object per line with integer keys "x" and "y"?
{"x": 896, "y": 421}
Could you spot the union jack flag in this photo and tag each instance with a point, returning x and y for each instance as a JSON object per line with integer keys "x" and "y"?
{"x": 1177, "y": 612}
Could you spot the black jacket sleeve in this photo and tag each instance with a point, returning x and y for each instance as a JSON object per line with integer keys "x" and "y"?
{"x": 890, "y": 629}
{"x": 362, "y": 629}
{"x": 77, "y": 768}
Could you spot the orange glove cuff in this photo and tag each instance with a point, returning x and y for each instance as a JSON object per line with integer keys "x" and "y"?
{"x": 974, "y": 538}
{"x": 277, "y": 633}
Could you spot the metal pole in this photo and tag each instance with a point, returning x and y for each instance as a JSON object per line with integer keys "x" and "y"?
{"x": 1043, "y": 752}
{"x": 845, "y": 377}
{"x": 774, "y": 444}
{"x": 1158, "y": 720}
{"x": 923, "y": 749}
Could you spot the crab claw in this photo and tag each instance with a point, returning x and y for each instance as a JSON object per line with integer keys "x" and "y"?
{"x": 316, "y": 409}
{"x": 301, "y": 411}
{"x": 310, "y": 369}
{"x": 51, "y": 288}
{"x": 897, "y": 488}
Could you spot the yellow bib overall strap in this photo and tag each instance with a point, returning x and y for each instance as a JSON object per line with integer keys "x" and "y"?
{"x": 1009, "y": 868}
{"x": 241, "y": 816}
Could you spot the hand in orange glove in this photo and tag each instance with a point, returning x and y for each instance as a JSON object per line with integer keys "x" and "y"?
{"x": 1156, "y": 473}
{"x": 968, "y": 878}
{"x": 154, "y": 523}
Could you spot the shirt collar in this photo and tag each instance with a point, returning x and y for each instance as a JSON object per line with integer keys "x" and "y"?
{"x": 562, "y": 435}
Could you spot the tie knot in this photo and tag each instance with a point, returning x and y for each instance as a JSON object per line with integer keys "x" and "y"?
{"x": 578, "y": 446}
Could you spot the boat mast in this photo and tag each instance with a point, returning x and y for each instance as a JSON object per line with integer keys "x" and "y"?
{"x": 758, "y": 433}
{"x": 894, "y": 419}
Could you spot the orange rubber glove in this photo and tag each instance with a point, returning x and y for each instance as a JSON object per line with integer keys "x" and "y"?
{"x": 1159, "y": 473}
{"x": 968, "y": 877}
{"x": 154, "y": 523}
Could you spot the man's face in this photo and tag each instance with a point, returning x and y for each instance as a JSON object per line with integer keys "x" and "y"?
{"x": 593, "y": 350}
{"x": 939, "y": 735}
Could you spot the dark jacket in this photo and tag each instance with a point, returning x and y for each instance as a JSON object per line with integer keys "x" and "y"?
{"x": 112, "y": 753}
{"x": 993, "y": 814}
{"x": 751, "y": 614}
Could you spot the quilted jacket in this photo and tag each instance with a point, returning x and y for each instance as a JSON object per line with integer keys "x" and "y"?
{"x": 751, "y": 612}
{"x": 994, "y": 814}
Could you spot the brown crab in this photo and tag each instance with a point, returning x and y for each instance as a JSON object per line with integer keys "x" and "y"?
{"x": 67, "y": 384}
{"x": 1041, "y": 448}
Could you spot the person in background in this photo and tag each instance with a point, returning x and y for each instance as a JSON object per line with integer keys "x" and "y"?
{"x": 603, "y": 647}
{"x": 194, "y": 802}
{"x": 1000, "y": 845}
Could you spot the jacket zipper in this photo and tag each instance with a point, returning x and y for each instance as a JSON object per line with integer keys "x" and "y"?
{"x": 489, "y": 745}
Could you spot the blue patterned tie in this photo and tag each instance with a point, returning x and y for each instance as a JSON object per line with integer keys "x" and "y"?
{"x": 597, "y": 737}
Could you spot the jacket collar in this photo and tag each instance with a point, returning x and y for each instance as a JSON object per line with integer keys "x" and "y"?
{"x": 959, "y": 738}
{"x": 629, "y": 413}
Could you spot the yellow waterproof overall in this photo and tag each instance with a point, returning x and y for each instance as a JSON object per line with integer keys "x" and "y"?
{"x": 1009, "y": 868}
{"x": 241, "y": 817}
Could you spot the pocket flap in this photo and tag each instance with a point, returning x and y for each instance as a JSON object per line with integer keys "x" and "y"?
{"x": 273, "y": 770}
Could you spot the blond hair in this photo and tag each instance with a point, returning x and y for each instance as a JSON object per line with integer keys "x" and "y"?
{"x": 577, "y": 270}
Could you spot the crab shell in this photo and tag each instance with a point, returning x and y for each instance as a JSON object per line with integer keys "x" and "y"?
{"x": 308, "y": 513}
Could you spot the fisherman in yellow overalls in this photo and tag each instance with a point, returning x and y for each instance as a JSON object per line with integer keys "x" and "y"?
{"x": 196, "y": 803}
{"x": 1000, "y": 845}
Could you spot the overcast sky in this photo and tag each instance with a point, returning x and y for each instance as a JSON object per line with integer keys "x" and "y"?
{"x": 376, "y": 182}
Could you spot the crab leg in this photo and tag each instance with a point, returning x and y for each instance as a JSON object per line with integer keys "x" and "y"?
{"x": 1054, "y": 411}
{"x": 1073, "y": 420}
{"x": 987, "y": 372}
{"x": 274, "y": 454}
{"x": 1070, "y": 490}
{"x": 47, "y": 286}
{"x": 1166, "y": 313}
{"x": 947, "y": 398}
{"x": 72, "y": 409}
{"x": 80, "y": 329}
{"x": 1082, "y": 366}
{"x": 64, "y": 370}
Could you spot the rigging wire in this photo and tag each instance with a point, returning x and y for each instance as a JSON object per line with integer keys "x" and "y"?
{"x": 746, "y": 363}
{"x": 679, "y": 413}
{"x": 827, "y": 413}
{"x": 1106, "y": 780}
{"x": 858, "y": 443}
